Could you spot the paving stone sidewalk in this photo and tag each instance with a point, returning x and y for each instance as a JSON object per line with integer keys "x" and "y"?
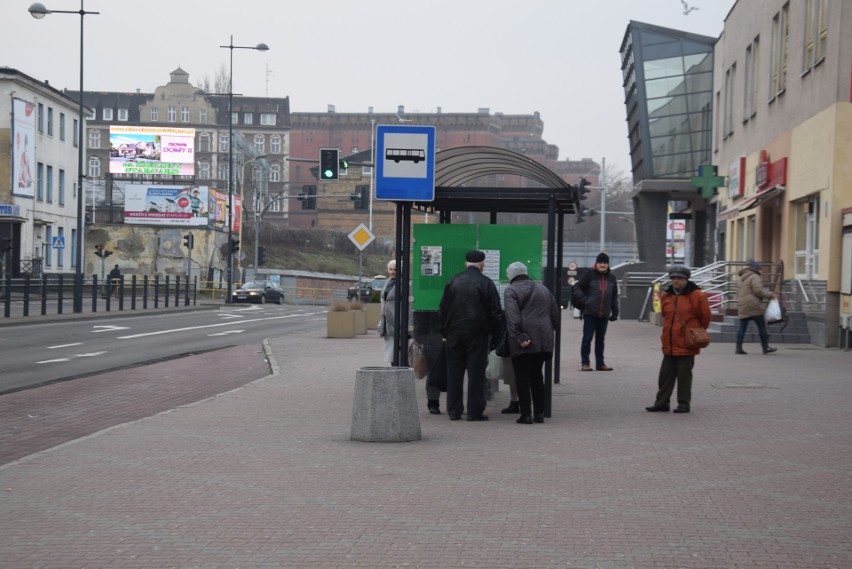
{"x": 265, "y": 476}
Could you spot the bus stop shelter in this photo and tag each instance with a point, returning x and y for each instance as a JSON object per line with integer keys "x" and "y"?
{"x": 454, "y": 169}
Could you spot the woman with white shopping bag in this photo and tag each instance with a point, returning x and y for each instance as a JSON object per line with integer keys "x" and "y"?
{"x": 752, "y": 297}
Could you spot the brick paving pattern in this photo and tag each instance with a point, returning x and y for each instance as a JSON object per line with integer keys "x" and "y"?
{"x": 265, "y": 476}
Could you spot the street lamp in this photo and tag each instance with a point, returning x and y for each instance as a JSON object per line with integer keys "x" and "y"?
{"x": 38, "y": 11}
{"x": 232, "y": 47}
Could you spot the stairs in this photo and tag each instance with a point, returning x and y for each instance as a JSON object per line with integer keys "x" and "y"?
{"x": 795, "y": 332}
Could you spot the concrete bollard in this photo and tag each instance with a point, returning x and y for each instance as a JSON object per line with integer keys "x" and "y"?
{"x": 385, "y": 405}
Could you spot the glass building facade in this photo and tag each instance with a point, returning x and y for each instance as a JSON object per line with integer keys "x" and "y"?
{"x": 668, "y": 89}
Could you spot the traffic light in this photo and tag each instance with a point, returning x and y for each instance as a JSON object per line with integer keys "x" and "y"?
{"x": 361, "y": 197}
{"x": 261, "y": 255}
{"x": 329, "y": 164}
{"x": 235, "y": 245}
{"x": 308, "y": 197}
{"x": 99, "y": 251}
{"x": 189, "y": 241}
{"x": 107, "y": 254}
{"x": 344, "y": 166}
{"x": 582, "y": 187}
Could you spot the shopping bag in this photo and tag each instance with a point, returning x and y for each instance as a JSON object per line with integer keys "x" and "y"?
{"x": 773, "y": 311}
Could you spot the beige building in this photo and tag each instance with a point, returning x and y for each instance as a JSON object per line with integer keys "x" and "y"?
{"x": 782, "y": 136}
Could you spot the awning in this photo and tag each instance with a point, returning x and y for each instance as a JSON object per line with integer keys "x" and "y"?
{"x": 729, "y": 213}
{"x": 761, "y": 197}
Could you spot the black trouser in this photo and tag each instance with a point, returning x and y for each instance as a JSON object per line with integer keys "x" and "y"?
{"x": 466, "y": 351}
{"x": 529, "y": 379}
{"x": 675, "y": 369}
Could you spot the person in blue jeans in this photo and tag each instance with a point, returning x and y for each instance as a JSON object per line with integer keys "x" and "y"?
{"x": 596, "y": 295}
{"x": 752, "y": 297}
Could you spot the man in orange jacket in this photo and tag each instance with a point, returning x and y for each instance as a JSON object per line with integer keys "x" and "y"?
{"x": 684, "y": 305}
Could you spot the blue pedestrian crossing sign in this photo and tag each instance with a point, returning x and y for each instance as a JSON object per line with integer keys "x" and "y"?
{"x": 58, "y": 242}
{"x": 405, "y": 163}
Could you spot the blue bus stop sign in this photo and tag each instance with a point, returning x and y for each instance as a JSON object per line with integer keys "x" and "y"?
{"x": 405, "y": 163}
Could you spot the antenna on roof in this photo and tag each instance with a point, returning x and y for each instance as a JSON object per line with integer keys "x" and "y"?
{"x": 268, "y": 75}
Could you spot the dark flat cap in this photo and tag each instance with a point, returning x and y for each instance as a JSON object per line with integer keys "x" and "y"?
{"x": 474, "y": 256}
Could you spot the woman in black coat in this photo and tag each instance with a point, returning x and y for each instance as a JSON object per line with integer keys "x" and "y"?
{"x": 532, "y": 316}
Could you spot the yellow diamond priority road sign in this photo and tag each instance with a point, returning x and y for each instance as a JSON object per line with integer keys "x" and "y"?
{"x": 361, "y": 236}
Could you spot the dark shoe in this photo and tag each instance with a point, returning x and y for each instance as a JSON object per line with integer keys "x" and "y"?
{"x": 477, "y": 418}
{"x": 538, "y": 418}
{"x": 525, "y": 420}
{"x": 681, "y": 409}
{"x": 604, "y": 368}
{"x": 514, "y": 407}
{"x": 586, "y": 367}
{"x": 455, "y": 417}
{"x": 768, "y": 350}
{"x": 658, "y": 407}
{"x": 434, "y": 407}
{"x": 741, "y": 351}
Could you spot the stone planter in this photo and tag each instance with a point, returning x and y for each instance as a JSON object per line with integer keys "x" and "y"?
{"x": 360, "y": 321}
{"x": 385, "y": 405}
{"x": 373, "y": 310}
{"x": 340, "y": 324}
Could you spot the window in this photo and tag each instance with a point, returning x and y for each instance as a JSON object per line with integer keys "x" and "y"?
{"x": 75, "y": 133}
{"x": 223, "y": 142}
{"x": 61, "y": 187}
{"x": 204, "y": 170}
{"x": 94, "y": 138}
{"x": 172, "y": 114}
{"x": 122, "y": 115}
{"x": 40, "y": 182}
{"x": 806, "y": 261}
{"x": 41, "y": 117}
{"x": 92, "y": 114}
{"x": 275, "y": 144}
{"x": 94, "y": 168}
{"x": 816, "y": 32}
{"x": 73, "y": 247}
{"x": 49, "y": 121}
{"x": 61, "y": 126}
{"x": 48, "y": 245}
{"x": 204, "y": 142}
{"x": 750, "y": 80}
{"x": 202, "y": 116}
{"x": 184, "y": 114}
{"x": 49, "y": 184}
{"x": 247, "y": 118}
{"x": 259, "y": 143}
{"x": 60, "y": 258}
{"x": 778, "y": 53}
{"x": 106, "y": 114}
{"x": 728, "y": 117}
{"x": 235, "y": 118}
{"x": 267, "y": 119}
{"x": 275, "y": 173}
{"x": 223, "y": 170}
{"x": 276, "y": 203}
{"x": 155, "y": 114}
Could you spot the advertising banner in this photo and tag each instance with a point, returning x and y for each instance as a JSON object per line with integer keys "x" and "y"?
{"x": 146, "y": 204}
{"x": 159, "y": 151}
{"x": 218, "y": 207}
{"x": 23, "y": 153}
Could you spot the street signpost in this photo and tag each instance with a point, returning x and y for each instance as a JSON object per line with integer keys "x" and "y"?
{"x": 361, "y": 236}
{"x": 405, "y": 163}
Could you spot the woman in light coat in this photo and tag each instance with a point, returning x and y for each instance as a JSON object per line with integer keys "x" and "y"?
{"x": 752, "y": 297}
{"x": 532, "y": 316}
{"x": 388, "y": 302}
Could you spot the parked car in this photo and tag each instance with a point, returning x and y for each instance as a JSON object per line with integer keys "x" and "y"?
{"x": 260, "y": 292}
{"x": 364, "y": 289}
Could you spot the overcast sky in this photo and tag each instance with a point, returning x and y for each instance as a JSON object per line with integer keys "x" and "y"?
{"x": 558, "y": 57}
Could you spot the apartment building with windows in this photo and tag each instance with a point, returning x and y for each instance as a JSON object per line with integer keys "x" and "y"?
{"x": 782, "y": 135}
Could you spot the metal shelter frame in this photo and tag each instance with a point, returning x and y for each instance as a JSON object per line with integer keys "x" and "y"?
{"x": 454, "y": 167}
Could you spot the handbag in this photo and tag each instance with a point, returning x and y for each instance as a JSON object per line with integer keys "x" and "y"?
{"x": 696, "y": 338}
{"x": 502, "y": 349}
{"x": 773, "y": 311}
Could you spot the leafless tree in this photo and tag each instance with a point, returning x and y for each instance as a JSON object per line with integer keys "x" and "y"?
{"x": 218, "y": 84}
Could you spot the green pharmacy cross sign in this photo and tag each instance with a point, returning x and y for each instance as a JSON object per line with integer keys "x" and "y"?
{"x": 707, "y": 180}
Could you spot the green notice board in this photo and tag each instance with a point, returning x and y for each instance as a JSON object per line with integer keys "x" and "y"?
{"x": 439, "y": 251}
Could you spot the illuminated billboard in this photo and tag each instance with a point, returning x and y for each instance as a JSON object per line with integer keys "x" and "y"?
{"x": 146, "y": 204}
{"x": 157, "y": 151}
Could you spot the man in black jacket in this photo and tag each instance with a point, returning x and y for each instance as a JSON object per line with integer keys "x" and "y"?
{"x": 470, "y": 313}
{"x": 596, "y": 294}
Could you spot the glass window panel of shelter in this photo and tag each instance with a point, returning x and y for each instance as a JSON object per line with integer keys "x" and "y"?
{"x": 698, "y": 63}
{"x": 667, "y": 106}
{"x": 658, "y": 68}
{"x": 665, "y": 86}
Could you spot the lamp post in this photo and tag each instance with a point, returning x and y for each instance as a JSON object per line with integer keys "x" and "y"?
{"x": 38, "y": 11}
{"x": 232, "y": 47}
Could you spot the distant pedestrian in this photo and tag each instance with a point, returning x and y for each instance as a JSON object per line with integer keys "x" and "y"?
{"x": 388, "y": 311}
{"x": 532, "y": 316}
{"x": 596, "y": 296}
{"x": 471, "y": 320}
{"x": 684, "y": 305}
{"x": 752, "y": 297}
{"x": 114, "y": 279}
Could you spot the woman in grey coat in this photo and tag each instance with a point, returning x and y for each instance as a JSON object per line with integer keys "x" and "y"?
{"x": 532, "y": 316}
{"x": 751, "y": 303}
